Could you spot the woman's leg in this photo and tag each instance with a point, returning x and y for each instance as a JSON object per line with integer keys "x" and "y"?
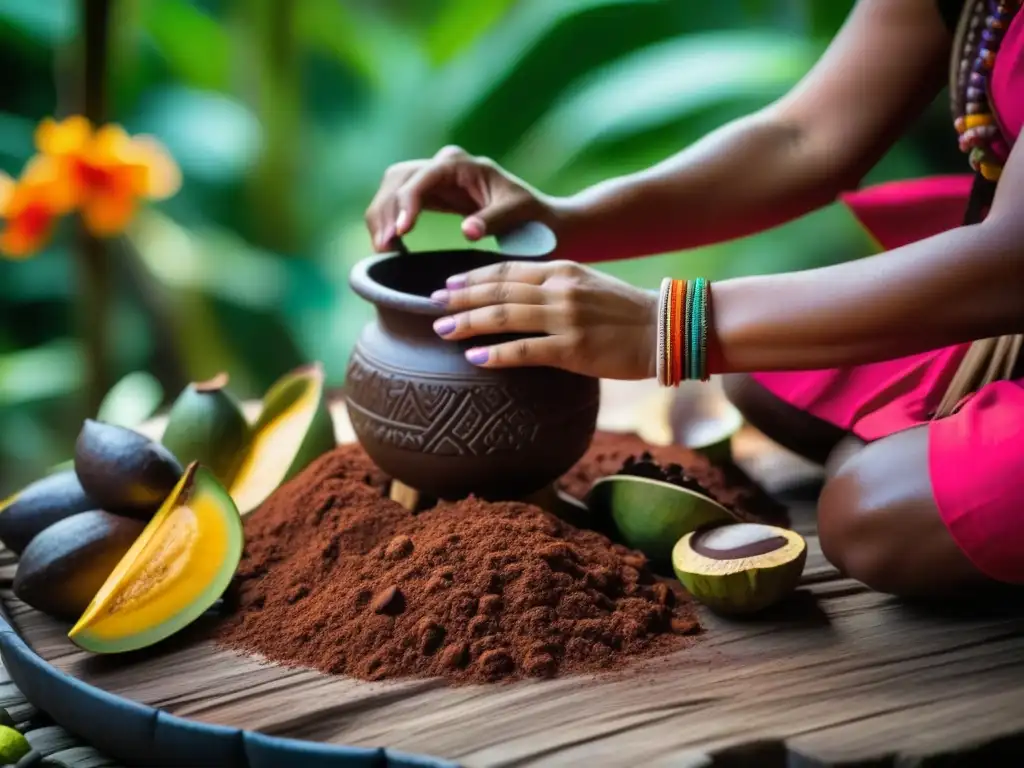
{"x": 787, "y": 425}
{"x": 879, "y": 523}
{"x": 934, "y": 508}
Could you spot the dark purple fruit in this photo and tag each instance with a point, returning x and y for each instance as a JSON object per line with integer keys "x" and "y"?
{"x": 122, "y": 471}
{"x": 38, "y": 506}
{"x": 64, "y": 567}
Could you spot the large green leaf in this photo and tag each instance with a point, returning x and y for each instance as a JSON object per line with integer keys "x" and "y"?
{"x": 377, "y": 51}
{"x": 195, "y": 45}
{"x": 459, "y": 23}
{"x": 15, "y": 140}
{"x": 463, "y": 87}
{"x": 213, "y": 137}
{"x": 51, "y": 22}
{"x": 50, "y": 370}
{"x": 658, "y": 85}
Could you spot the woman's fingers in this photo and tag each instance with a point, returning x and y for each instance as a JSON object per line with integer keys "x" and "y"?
{"x": 544, "y": 351}
{"x": 383, "y": 210}
{"x": 494, "y": 319}
{"x": 488, "y": 294}
{"x": 530, "y": 272}
{"x": 464, "y": 182}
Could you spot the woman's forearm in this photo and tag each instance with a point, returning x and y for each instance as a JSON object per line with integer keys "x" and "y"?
{"x": 750, "y": 175}
{"x": 958, "y": 286}
{"x": 784, "y": 161}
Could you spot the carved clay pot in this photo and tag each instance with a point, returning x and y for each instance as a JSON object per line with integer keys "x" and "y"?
{"x": 432, "y": 420}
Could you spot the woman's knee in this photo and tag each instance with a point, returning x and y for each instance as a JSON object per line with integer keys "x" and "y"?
{"x": 878, "y": 522}
{"x": 850, "y": 537}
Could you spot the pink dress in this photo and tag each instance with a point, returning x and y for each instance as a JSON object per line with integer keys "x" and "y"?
{"x": 976, "y": 456}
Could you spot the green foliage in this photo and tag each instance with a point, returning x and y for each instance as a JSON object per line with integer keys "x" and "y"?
{"x": 283, "y": 114}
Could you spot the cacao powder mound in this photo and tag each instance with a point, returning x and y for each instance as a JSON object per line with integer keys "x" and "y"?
{"x": 610, "y": 453}
{"x": 337, "y": 577}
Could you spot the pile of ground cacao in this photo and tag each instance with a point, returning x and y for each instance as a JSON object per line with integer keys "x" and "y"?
{"x": 337, "y": 577}
{"x": 610, "y": 453}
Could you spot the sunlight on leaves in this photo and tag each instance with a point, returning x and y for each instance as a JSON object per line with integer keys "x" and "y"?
{"x": 459, "y": 23}
{"x": 658, "y": 85}
{"x": 213, "y": 138}
{"x": 462, "y": 84}
{"x": 179, "y": 30}
{"x": 50, "y": 22}
{"x": 40, "y": 373}
{"x": 214, "y": 262}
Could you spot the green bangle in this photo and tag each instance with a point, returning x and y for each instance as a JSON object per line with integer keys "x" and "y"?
{"x": 684, "y": 362}
{"x": 694, "y": 348}
{"x": 705, "y": 299}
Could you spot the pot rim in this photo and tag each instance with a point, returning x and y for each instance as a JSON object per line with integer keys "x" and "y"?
{"x": 380, "y": 295}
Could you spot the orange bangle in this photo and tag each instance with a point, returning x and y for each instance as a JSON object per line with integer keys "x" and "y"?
{"x": 678, "y": 299}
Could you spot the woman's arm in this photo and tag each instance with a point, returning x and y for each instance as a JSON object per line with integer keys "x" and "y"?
{"x": 886, "y": 64}
{"x": 965, "y": 284}
{"x": 961, "y": 285}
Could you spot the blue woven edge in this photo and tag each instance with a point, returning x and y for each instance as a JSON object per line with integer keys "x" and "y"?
{"x": 140, "y": 735}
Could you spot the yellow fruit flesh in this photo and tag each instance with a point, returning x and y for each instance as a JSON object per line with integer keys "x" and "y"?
{"x": 171, "y": 566}
{"x": 272, "y": 450}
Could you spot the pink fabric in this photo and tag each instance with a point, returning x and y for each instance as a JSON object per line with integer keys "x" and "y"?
{"x": 902, "y": 212}
{"x": 1008, "y": 80}
{"x": 976, "y": 456}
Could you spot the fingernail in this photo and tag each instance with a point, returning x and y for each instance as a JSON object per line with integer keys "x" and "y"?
{"x": 439, "y": 297}
{"x": 473, "y": 228}
{"x": 456, "y": 281}
{"x": 401, "y": 222}
{"x": 444, "y": 326}
{"x": 477, "y": 355}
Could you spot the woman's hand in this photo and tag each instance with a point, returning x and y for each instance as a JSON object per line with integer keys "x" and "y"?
{"x": 491, "y": 199}
{"x": 594, "y": 324}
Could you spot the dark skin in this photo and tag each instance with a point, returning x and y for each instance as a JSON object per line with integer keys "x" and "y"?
{"x": 794, "y": 156}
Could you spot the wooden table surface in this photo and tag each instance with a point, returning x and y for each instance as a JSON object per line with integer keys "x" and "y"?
{"x": 837, "y": 676}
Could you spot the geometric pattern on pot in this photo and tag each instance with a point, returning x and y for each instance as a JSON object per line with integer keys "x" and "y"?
{"x": 424, "y": 415}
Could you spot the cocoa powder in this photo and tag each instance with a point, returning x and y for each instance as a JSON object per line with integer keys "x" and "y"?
{"x": 337, "y": 577}
{"x": 610, "y": 452}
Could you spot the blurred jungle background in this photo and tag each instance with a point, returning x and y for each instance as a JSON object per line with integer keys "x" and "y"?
{"x": 283, "y": 114}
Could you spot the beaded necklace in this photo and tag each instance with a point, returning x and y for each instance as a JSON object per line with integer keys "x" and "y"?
{"x": 975, "y": 120}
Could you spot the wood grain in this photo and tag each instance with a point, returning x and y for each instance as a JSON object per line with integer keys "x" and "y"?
{"x": 836, "y": 676}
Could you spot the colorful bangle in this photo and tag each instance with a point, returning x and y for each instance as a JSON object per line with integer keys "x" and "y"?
{"x": 678, "y": 308}
{"x": 683, "y": 308}
{"x": 662, "y": 329}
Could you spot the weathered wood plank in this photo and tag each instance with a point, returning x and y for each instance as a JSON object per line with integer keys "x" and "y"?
{"x": 838, "y": 676}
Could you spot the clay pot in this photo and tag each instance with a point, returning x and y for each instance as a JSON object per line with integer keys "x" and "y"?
{"x": 439, "y": 424}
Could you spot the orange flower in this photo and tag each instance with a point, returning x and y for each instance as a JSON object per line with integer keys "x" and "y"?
{"x": 31, "y": 206}
{"x": 105, "y": 172}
